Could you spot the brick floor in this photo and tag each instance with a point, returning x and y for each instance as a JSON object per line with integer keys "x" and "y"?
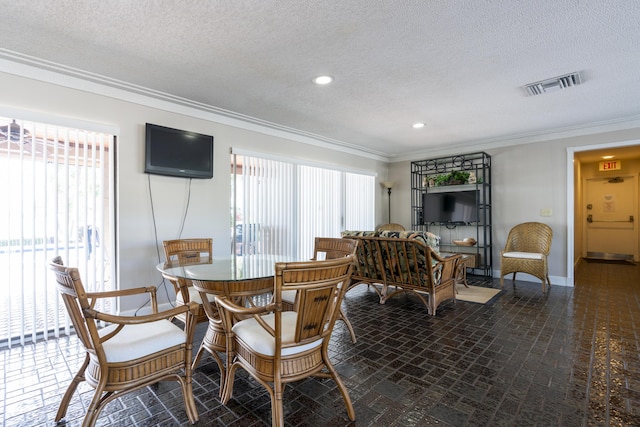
{"x": 571, "y": 358}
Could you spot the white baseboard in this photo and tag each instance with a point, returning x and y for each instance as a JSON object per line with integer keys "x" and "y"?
{"x": 555, "y": 280}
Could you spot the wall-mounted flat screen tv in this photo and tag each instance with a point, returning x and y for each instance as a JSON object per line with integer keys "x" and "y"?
{"x": 454, "y": 207}
{"x": 176, "y": 152}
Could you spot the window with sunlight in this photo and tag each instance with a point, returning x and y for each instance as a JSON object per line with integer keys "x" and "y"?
{"x": 279, "y": 207}
{"x": 56, "y": 201}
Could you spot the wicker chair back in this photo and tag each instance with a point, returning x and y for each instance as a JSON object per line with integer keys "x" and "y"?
{"x": 132, "y": 352}
{"x": 390, "y": 227}
{"x": 526, "y": 251}
{"x": 277, "y": 346}
{"x": 184, "y": 250}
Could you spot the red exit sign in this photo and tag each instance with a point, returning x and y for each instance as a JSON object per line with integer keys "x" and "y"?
{"x": 611, "y": 165}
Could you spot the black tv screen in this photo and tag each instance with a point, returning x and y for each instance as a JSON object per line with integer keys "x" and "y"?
{"x": 176, "y": 152}
{"x": 454, "y": 207}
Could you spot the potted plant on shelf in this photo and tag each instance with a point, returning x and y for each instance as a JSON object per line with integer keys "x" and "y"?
{"x": 452, "y": 178}
{"x": 440, "y": 180}
{"x": 458, "y": 177}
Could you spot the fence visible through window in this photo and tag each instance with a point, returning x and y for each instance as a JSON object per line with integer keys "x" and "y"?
{"x": 56, "y": 200}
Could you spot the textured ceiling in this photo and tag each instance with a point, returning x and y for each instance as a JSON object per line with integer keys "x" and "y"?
{"x": 457, "y": 65}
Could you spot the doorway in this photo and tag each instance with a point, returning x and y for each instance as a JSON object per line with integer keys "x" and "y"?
{"x": 611, "y": 209}
{"x": 576, "y": 215}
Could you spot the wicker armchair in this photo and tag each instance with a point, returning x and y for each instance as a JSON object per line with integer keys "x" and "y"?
{"x": 132, "y": 352}
{"x": 526, "y": 251}
{"x": 277, "y": 347}
{"x": 390, "y": 227}
{"x": 182, "y": 250}
{"x": 327, "y": 248}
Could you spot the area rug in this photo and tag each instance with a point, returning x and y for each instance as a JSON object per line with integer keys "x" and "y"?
{"x": 476, "y": 294}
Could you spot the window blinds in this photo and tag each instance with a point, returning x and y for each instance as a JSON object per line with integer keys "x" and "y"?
{"x": 55, "y": 192}
{"x": 279, "y": 207}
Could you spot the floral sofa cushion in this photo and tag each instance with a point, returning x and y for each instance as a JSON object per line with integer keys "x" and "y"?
{"x": 428, "y": 238}
{"x": 365, "y": 260}
{"x": 347, "y": 233}
{"x": 399, "y": 263}
{"x": 399, "y": 255}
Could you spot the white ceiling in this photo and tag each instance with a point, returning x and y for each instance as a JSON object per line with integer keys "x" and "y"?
{"x": 457, "y": 65}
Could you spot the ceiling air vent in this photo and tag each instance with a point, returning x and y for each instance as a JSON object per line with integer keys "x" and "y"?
{"x": 554, "y": 84}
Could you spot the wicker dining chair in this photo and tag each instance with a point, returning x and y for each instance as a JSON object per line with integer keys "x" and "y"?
{"x": 327, "y": 248}
{"x": 526, "y": 251}
{"x": 276, "y": 346}
{"x": 182, "y": 250}
{"x": 243, "y": 292}
{"x": 390, "y": 227}
{"x": 129, "y": 354}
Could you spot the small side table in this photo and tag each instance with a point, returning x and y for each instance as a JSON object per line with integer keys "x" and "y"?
{"x": 467, "y": 260}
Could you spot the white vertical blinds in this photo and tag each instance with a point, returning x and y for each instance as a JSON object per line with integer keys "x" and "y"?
{"x": 264, "y": 206}
{"x": 279, "y": 207}
{"x": 319, "y": 205}
{"x": 359, "y": 202}
{"x": 55, "y": 201}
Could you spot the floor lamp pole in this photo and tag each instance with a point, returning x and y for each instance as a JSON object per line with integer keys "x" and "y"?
{"x": 389, "y": 192}
{"x": 388, "y": 185}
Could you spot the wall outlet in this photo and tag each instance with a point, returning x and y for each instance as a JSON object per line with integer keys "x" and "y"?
{"x": 546, "y": 212}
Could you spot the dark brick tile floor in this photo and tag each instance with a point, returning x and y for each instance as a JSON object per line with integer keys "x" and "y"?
{"x": 571, "y": 358}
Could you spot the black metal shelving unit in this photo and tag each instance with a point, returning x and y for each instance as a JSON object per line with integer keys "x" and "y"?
{"x": 423, "y": 175}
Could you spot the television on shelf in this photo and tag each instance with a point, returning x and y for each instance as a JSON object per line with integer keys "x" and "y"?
{"x": 451, "y": 207}
{"x": 176, "y": 152}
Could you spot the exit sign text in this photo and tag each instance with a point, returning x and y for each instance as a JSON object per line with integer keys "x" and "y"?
{"x": 611, "y": 165}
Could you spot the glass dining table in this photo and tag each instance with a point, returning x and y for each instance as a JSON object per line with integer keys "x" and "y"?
{"x": 235, "y": 268}
{"x": 237, "y": 277}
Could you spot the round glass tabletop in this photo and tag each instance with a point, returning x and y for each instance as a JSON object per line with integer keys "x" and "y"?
{"x": 233, "y": 268}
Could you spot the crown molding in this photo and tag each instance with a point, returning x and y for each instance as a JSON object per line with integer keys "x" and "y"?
{"x": 51, "y": 72}
{"x": 613, "y": 125}
{"x": 19, "y": 64}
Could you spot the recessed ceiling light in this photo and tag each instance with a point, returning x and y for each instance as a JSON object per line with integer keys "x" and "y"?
{"x": 323, "y": 80}
{"x": 419, "y": 125}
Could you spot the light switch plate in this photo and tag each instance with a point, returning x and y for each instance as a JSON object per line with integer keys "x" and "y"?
{"x": 546, "y": 212}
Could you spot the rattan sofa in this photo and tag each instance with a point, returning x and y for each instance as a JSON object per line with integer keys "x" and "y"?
{"x": 394, "y": 262}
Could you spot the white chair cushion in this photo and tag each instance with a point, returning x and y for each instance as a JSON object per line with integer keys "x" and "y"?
{"x": 289, "y": 296}
{"x": 194, "y": 296}
{"x": 261, "y": 341}
{"x": 525, "y": 255}
{"x": 135, "y": 341}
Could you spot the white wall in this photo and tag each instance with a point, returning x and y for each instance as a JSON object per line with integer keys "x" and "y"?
{"x": 209, "y": 208}
{"x": 526, "y": 178}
